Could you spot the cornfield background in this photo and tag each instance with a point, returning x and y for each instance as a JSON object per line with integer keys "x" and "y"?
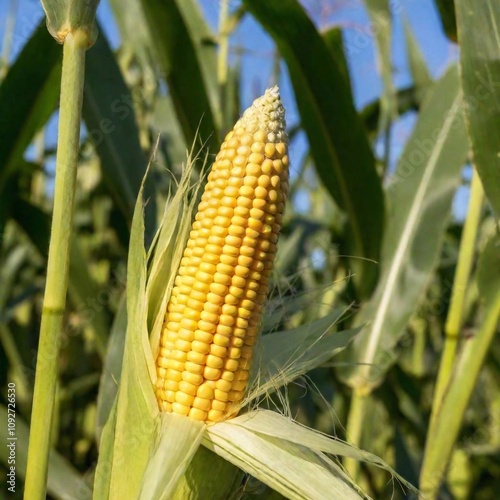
{"x": 370, "y": 235}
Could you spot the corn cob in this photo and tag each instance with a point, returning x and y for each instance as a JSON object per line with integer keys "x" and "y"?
{"x": 214, "y": 313}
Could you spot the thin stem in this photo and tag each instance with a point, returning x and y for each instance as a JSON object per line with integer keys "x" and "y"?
{"x": 354, "y": 431}
{"x": 222, "y": 59}
{"x": 51, "y": 330}
{"x": 444, "y": 432}
{"x": 455, "y": 317}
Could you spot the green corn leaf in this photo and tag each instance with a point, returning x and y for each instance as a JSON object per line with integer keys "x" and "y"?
{"x": 407, "y": 99}
{"x": 179, "y": 53}
{"x": 488, "y": 276}
{"x": 418, "y": 67}
{"x": 165, "y": 122}
{"x": 131, "y": 21}
{"x": 380, "y": 16}
{"x": 446, "y": 9}
{"x": 420, "y": 196}
{"x": 108, "y": 111}
{"x": 480, "y": 72}
{"x": 196, "y": 43}
{"x": 33, "y": 84}
{"x": 334, "y": 42}
{"x": 206, "y": 53}
{"x": 339, "y": 145}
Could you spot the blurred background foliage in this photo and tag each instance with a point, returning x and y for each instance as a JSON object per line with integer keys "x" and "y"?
{"x": 373, "y": 224}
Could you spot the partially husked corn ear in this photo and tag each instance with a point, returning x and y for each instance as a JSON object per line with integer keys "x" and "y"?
{"x": 214, "y": 312}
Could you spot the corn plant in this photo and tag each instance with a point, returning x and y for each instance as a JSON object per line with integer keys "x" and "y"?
{"x": 205, "y": 327}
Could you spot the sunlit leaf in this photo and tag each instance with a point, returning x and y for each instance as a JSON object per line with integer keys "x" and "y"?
{"x": 479, "y": 35}
{"x": 179, "y": 54}
{"x": 32, "y": 83}
{"x": 418, "y": 67}
{"x": 419, "y": 197}
{"x": 380, "y": 17}
{"x": 339, "y": 146}
{"x": 108, "y": 111}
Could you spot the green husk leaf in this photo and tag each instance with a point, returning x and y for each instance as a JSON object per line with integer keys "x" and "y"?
{"x": 293, "y": 470}
{"x": 178, "y": 440}
{"x": 273, "y": 424}
{"x": 104, "y": 467}
{"x": 276, "y": 426}
{"x": 112, "y": 370}
{"x": 167, "y": 249}
{"x": 208, "y": 476}
{"x": 136, "y": 405}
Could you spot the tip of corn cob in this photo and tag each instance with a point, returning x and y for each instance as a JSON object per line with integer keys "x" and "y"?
{"x": 267, "y": 114}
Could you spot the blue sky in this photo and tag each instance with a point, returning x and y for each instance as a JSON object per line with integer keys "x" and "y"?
{"x": 257, "y": 58}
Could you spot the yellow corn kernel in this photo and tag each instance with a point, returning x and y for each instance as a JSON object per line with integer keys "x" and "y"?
{"x": 214, "y": 312}
{"x": 198, "y": 414}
